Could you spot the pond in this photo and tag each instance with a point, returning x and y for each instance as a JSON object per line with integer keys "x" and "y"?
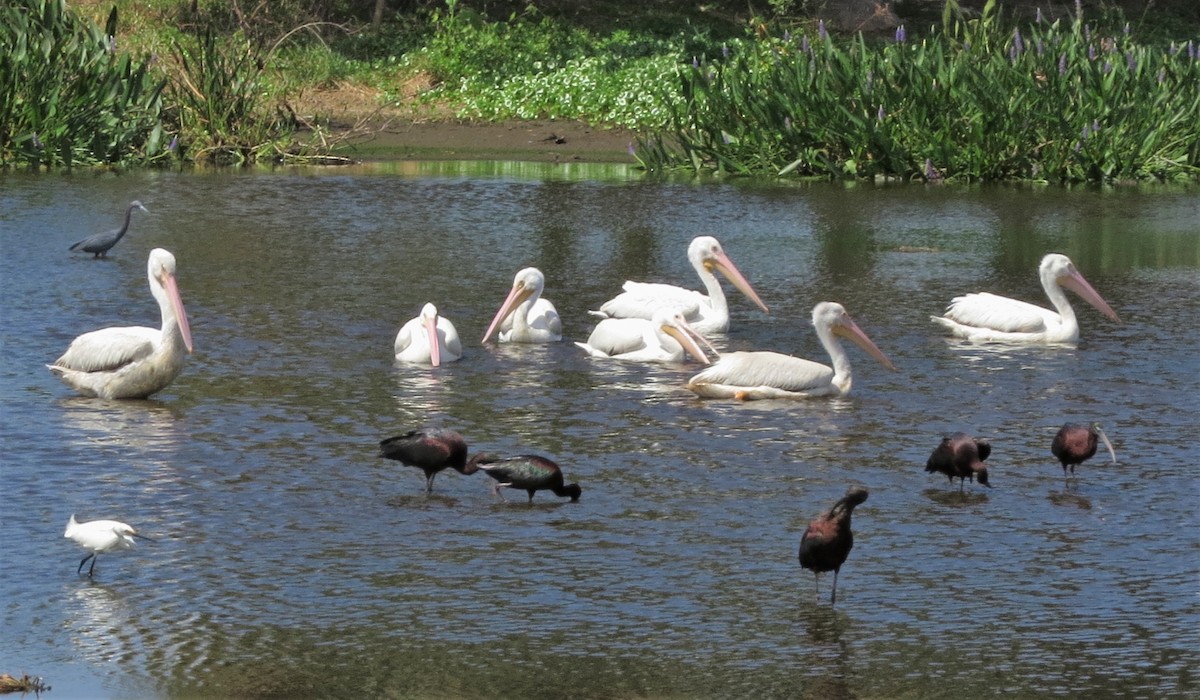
{"x": 291, "y": 561}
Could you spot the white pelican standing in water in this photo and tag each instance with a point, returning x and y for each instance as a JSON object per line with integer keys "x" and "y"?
{"x": 665, "y": 338}
{"x": 706, "y": 313}
{"x": 132, "y": 362}
{"x": 526, "y": 317}
{"x": 771, "y": 375}
{"x": 984, "y": 316}
{"x": 428, "y": 339}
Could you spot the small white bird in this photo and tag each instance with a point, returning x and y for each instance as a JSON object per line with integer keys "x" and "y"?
{"x": 428, "y": 339}
{"x": 526, "y": 316}
{"x": 98, "y": 536}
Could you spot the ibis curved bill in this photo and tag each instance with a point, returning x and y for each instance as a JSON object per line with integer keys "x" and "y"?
{"x": 772, "y": 375}
{"x": 1075, "y": 444}
{"x": 531, "y": 473}
{"x": 983, "y": 316}
{"x": 707, "y": 313}
{"x": 525, "y": 316}
{"x": 960, "y": 456}
{"x": 132, "y": 362}
{"x": 665, "y": 338}
{"x": 430, "y": 338}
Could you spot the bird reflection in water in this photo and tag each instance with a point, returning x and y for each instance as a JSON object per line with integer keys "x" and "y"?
{"x": 823, "y": 629}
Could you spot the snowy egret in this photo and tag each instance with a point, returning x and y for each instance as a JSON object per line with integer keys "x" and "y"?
{"x": 98, "y": 536}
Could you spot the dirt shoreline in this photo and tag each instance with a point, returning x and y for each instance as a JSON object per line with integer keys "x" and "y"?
{"x": 536, "y": 140}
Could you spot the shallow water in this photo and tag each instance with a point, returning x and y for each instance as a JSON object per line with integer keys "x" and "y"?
{"x": 291, "y": 561}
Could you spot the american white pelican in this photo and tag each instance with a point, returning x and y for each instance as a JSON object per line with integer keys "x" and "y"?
{"x": 771, "y": 375}
{"x": 706, "y": 313}
{"x": 664, "y": 339}
{"x": 100, "y": 536}
{"x": 986, "y": 316}
{"x": 414, "y": 341}
{"x": 132, "y": 362}
{"x": 525, "y": 317}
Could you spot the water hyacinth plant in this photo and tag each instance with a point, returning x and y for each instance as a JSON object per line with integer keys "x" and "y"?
{"x": 67, "y": 97}
{"x": 975, "y": 100}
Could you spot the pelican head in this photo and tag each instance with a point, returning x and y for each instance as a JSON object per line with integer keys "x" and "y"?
{"x": 429, "y": 319}
{"x": 528, "y": 284}
{"x": 676, "y": 326}
{"x": 161, "y": 270}
{"x": 832, "y": 315}
{"x": 705, "y": 252}
{"x": 1057, "y": 269}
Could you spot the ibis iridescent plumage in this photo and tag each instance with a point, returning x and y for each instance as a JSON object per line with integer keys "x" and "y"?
{"x": 100, "y": 243}
{"x": 772, "y": 375}
{"x": 430, "y": 338}
{"x": 665, "y": 338}
{"x": 706, "y": 312}
{"x": 531, "y": 473}
{"x": 100, "y": 537}
{"x": 984, "y": 316}
{"x": 526, "y": 316}
{"x": 960, "y": 456}
{"x": 828, "y": 539}
{"x": 431, "y": 450}
{"x": 132, "y": 362}
{"x": 1075, "y": 443}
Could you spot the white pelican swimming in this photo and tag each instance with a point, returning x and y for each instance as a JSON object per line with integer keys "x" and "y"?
{"x": 665, "y": 338}
{"x": 986, "y": 316}
{"x": 132, "y": 362}
{"x": 414, "y": 344}
{"x": 525, "y": 317}
{"x": 706, "y": 313}
{"x": 771, "y": 375}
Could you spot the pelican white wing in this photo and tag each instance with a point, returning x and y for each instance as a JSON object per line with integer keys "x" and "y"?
{"x": 109, "y": 349}
{"x": 985, "y": 310}
{"x": 747, "y": 375}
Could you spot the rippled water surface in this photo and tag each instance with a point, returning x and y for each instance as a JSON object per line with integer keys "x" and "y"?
{"x": 290, "y": 561}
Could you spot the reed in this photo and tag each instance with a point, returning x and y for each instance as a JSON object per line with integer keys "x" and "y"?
{"x": 67, "y": 97}
{"x": 982, "y": 99}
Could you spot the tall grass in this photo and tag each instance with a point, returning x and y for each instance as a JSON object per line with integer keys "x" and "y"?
{"x": 975, "y": 100}
{"x": 67, "y": 97}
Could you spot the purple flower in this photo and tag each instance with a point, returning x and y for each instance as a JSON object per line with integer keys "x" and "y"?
{"x": 632, "y": 151}
{"x": 112, "y": 44}
{"x": 870, "y": 79}
{"x": 1087, "y": 32}
{"x": 726, "y": 137}
{"x": 1107, "y": 67}
{"x": 724, "y": 50}
{"x": 804, "y": 46}
{"x": 1040, "y": 48}
{"x": 37, "y": 143}
{"x": 931, "y": 172}
{"x": 1086, "y": 132}
{"x": 1192, "y": 53}
{"x": 787, "y": 123}
{"x": 900, "y": 35}
{"x": 1018, "y": 44}
{"x": 1126, "y": 29}
{"x": 1173, "y": 49}
{"x": 1162, "y": 75}
{"x": 174, "y": 144}
{"x": 1079, "y": 10}
{"x": 1130, "y": 61}
{"x": 1091, "y": 53}
{"x": 1062, "y": 63}
{"x": 1038, "y": 16}
{"x": 1095, "y": 126}
{"x": 880, "y": 114}
{"x": 787, "y": 36}
{"x": 821, "y": 30}
{"x": 1012, "y": 53}
{"x": 695, "y": 63}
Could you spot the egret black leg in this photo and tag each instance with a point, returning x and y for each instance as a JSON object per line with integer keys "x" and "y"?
{"x": 84, "y": 561}
{"x": 93, "y": 566}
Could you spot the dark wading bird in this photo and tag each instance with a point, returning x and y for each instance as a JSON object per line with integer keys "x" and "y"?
{"x": 430, "y": 450}
{"x": 1076, "y": 443}
{"x": 828, "y": 540}
{"x": 529, "y": 472}
{"x": 99, "y": 536}
{"x": 101, "y": 242}
{"x": 961, "y": 456}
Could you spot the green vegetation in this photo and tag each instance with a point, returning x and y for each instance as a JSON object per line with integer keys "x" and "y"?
{"x": 67, "y": 97}
{"x": 975, "y": 100}
{"x": 710, "y": 87}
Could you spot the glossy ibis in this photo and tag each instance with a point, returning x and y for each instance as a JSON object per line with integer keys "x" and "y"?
{"x": 529, "y": 472}
{"x": 431, "y": 450}
{"x": 827, "y": 541}
{"x": 99, "y": 536}
{"x": 101, "y": 242}
{"x": 961, "y": 456}
{"x": 1076, "y": 443}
